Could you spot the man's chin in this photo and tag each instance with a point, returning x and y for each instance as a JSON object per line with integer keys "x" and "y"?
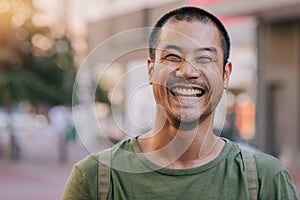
{"x": 187, "y": 123}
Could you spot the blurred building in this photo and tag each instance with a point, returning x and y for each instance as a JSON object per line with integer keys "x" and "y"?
{"x": 278, "y": 88}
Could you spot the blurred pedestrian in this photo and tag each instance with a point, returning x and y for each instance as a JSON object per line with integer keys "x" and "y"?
{"x": 181, "y": 157}
{"x": 60, "y": 117}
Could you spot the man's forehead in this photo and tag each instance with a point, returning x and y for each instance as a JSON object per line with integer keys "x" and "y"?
{"x": 194, "y": 34}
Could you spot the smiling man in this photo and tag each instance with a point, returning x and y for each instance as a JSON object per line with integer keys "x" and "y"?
{"x": 181, "y": 157}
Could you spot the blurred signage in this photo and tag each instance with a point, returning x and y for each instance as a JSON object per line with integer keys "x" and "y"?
{"x": 228, "y": 20}
{"x": 205, "y": 2}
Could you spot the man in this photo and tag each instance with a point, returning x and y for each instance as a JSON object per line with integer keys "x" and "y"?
{"x": 181, "y": 157}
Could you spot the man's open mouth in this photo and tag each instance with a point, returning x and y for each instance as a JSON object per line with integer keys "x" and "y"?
{"x": 187, "y": 93}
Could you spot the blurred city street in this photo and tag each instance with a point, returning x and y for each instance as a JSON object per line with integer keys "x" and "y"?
{"x": 38, "y": 174}
{"x": 83, "y": 63}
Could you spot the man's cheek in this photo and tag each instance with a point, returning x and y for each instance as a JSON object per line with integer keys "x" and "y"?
{"x": 214, "y": 76}
{"x": 161, "y": 75}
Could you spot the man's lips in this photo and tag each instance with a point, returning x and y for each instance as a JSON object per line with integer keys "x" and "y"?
{"x": 186, "y": 92}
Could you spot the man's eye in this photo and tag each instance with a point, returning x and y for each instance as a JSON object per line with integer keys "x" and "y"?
{"x": 204, "y": 59}
{"x": 173, "y": 58}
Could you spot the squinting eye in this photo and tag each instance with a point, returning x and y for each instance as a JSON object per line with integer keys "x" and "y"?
{"x": 204, "y": 59}
{"x": 173, "y": 58}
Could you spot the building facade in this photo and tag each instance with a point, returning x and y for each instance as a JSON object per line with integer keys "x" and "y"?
{"x": 278, "y": 72}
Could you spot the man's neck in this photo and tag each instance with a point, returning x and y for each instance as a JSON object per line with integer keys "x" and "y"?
{"x": 170, "y": 147}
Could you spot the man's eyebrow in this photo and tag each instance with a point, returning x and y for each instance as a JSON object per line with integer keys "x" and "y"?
{"x": 178, "y": 48}
{"x": 210, "y": 49}
{"x": 172, "y": 46}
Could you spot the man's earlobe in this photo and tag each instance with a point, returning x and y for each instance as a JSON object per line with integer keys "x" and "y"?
{"x": 227, "y": 73}
{"x": 150, "y": 71}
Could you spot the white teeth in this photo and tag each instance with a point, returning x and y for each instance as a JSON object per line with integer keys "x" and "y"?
{"x": 187, "y": 94}
{"x": 183, "y": 91}
{"x": 187, "y": 97}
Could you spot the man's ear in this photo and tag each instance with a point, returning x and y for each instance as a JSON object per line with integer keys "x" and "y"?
{"x": 226, "y": 74}
{"x": 150, "y": 71}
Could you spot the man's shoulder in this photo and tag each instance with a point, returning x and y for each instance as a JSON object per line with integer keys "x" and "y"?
{"x": 88, "y": 163}
{"x": 267, "y": 164}
{"x": 91, "y": 161}
{"x": 274, "y": 179}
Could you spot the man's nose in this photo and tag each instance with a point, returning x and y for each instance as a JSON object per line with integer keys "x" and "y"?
{"x": 188, "y": 71}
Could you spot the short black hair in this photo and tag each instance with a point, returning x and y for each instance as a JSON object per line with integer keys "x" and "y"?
{"x": 189, "y": 14}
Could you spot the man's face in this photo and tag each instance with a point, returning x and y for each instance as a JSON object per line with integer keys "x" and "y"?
{"x": 187, "y": 76}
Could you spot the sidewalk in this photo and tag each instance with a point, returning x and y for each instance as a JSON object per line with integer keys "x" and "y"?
{"x": 24, "y": 180}
{"x": 38, "y": 175}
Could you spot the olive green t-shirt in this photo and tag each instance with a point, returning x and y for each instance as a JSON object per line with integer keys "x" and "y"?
{"x": 133, "y": 176}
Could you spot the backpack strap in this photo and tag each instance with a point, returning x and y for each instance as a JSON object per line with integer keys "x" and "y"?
{"x": 251, "y": 173}
{"x": 104, "y": 174}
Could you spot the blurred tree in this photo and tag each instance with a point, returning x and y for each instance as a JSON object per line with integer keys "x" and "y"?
{"x": 101, "y": 95}
{"x": 35, "y": 65}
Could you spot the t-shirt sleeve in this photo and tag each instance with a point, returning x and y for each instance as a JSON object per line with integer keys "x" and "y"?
{"x": 76, "y": 187}
{"x": 82, "y": 182}
{"x": 274, "y": 180}
{"x": 280, "y": 188}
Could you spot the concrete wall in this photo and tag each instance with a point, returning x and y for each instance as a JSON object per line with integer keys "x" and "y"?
{"x": 101, "y": 30}
{"x": 278, "y": 127}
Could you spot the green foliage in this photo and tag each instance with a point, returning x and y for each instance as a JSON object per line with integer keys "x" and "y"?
{"x": 34, "y": 65}
{"x": 101, "y": 95}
